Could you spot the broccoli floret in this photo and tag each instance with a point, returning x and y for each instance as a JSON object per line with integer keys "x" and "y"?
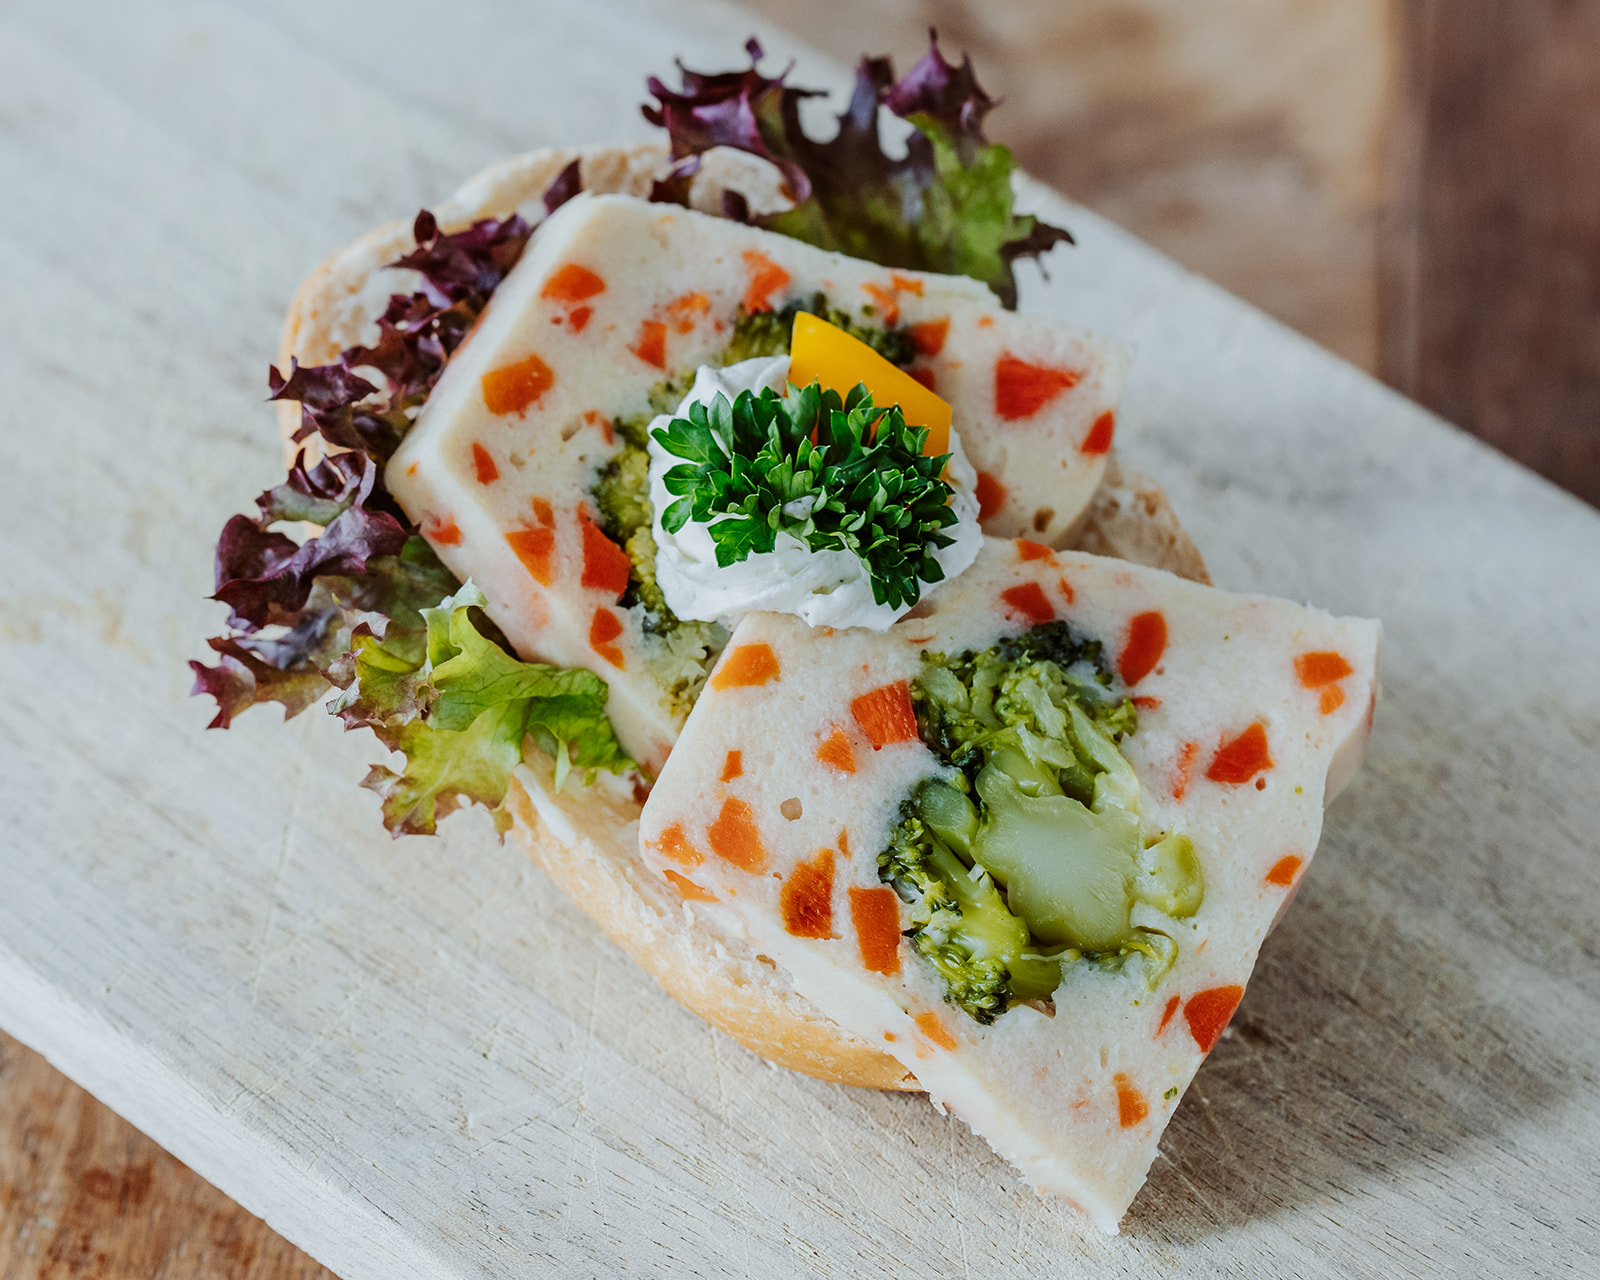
{"x": 678, "y": 654}
{"x": 766, "y": 333}
{"x": 623, "y": 493}
{"x": 960, "y": 926}
{"x": 1033, "y": 856}
{"x": 1015, "y": 695}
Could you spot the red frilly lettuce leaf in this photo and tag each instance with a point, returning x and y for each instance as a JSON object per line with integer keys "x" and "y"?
{"x": 363, "y": 607}
{"x": 566, "y": 185}
{"x": 945, "y": 206}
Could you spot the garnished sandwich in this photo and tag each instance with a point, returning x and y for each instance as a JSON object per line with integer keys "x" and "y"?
{"x": 618, "y": 478}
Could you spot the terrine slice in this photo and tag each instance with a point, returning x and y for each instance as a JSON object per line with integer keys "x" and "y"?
{"x": 816, "y": 765}
{"x": 615, "y": 296}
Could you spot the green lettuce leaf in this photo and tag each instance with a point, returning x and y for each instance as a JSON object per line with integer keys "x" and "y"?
{"x": 459, "y": 708}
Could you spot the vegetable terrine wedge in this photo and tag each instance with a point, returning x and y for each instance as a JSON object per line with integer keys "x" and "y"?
{"x": 521, "y": 467}
{"x": 1031, "y": 840}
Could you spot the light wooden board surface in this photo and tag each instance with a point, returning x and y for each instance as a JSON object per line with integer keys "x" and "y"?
{"x": 415, "y": 1058}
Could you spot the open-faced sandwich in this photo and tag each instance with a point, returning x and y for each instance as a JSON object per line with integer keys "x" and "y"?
{"x": 705, "y": 511}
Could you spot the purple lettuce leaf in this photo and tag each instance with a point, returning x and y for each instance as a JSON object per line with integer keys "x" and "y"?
{"x": 465, "y": 265}
{"x": 567, "y": 184}
{"x": 242, "y": 679}
{"x": 945, "y": 206}
{"x": 363, "y": 607}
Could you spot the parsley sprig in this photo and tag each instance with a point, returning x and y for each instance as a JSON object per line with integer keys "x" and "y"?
{"x": 836, "y": 474}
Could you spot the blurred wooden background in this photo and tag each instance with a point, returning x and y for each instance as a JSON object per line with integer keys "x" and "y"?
{"x": 1412, "y": 183}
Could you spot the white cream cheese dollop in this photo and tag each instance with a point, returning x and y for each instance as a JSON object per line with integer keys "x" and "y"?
{"x": 825, "y": 588}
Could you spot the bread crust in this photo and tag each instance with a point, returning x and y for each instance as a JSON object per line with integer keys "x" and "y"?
{"x": 587, "y": 842}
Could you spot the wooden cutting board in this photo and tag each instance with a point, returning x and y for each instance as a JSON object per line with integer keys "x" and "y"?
{"x": 416, "y": 1058}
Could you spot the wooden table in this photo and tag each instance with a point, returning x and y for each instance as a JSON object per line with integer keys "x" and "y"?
{"x": 416, "y": 1058}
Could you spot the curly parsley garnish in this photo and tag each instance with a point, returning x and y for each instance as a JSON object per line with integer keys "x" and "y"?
{"x": 835, "y": 474}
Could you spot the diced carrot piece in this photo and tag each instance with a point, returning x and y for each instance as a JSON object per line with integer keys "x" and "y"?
{"x": 1022, "y": 389}
{"x": 1284, "y": 870}
{"x": 733, "y": 766}
{"x": 533, "y": 548}
{"x": 651, "y": 345}
{"x": 837, "y": 753}
{"x": 1146, "y": 642}
{"x": 1208, "y": 1012}
{"x": 886, "y": 715}
{"x": 875, "y": 915}
{"x": 985, "y": 322}
{"x": 735, "y": 836}
{"x": 572, "y": 283}
{"x": 749, "y": 664}
{"x": 1180, "y": 780}
{"x": 766, "y": 278}
{"x": 1028, "y": 550}
{"x": 1240, "y": 759}
{"x": 1099, "y": 438}
{"x": 990, "y": 493}
{"x": 806, "y": 898}
{"x": 929, "y": 336}
{"x": 578, "y": 317}
{"x": 684, "y": 309}
{"x": 605, "y": 628}
{"x": 513, "y": 387}
{"x": 1030, "y": 601}
{"x": 888, "y": 304}
{"x": 932, "y": 1026}
{"x": 1065, "y": 587}
{"x": 672, "y": 843}
{"x": 483, "y": 464}
{"x": 543, "y": 512}
{"x": 1131, "y": 1106}
{"x": 446, "y": 532}
{"x": 689, "y": 304}
{"x": 1332, "y": 699}
{"x": 687, "y": 888}
{"x": 1318, "y": 669}
{"x": 1166, "y": 1016}
{"x": 906, "y": 284}
{"x": 605, "y": 564}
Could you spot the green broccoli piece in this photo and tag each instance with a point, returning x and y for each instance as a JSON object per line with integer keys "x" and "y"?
{"x": 960, "y": 925}
{"x": 766, "y": 333}
{"x": 622, "y": 493}
{"x": 1033, "y": 856}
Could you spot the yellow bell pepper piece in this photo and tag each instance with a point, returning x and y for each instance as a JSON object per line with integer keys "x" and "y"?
{"x": 823, "y": 352}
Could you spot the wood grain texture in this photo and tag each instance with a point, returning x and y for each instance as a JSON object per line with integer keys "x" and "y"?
{"x": 1492, "y": 298}
{"x": 415, "y": 1058}
{"x": 84, "y": 1194}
